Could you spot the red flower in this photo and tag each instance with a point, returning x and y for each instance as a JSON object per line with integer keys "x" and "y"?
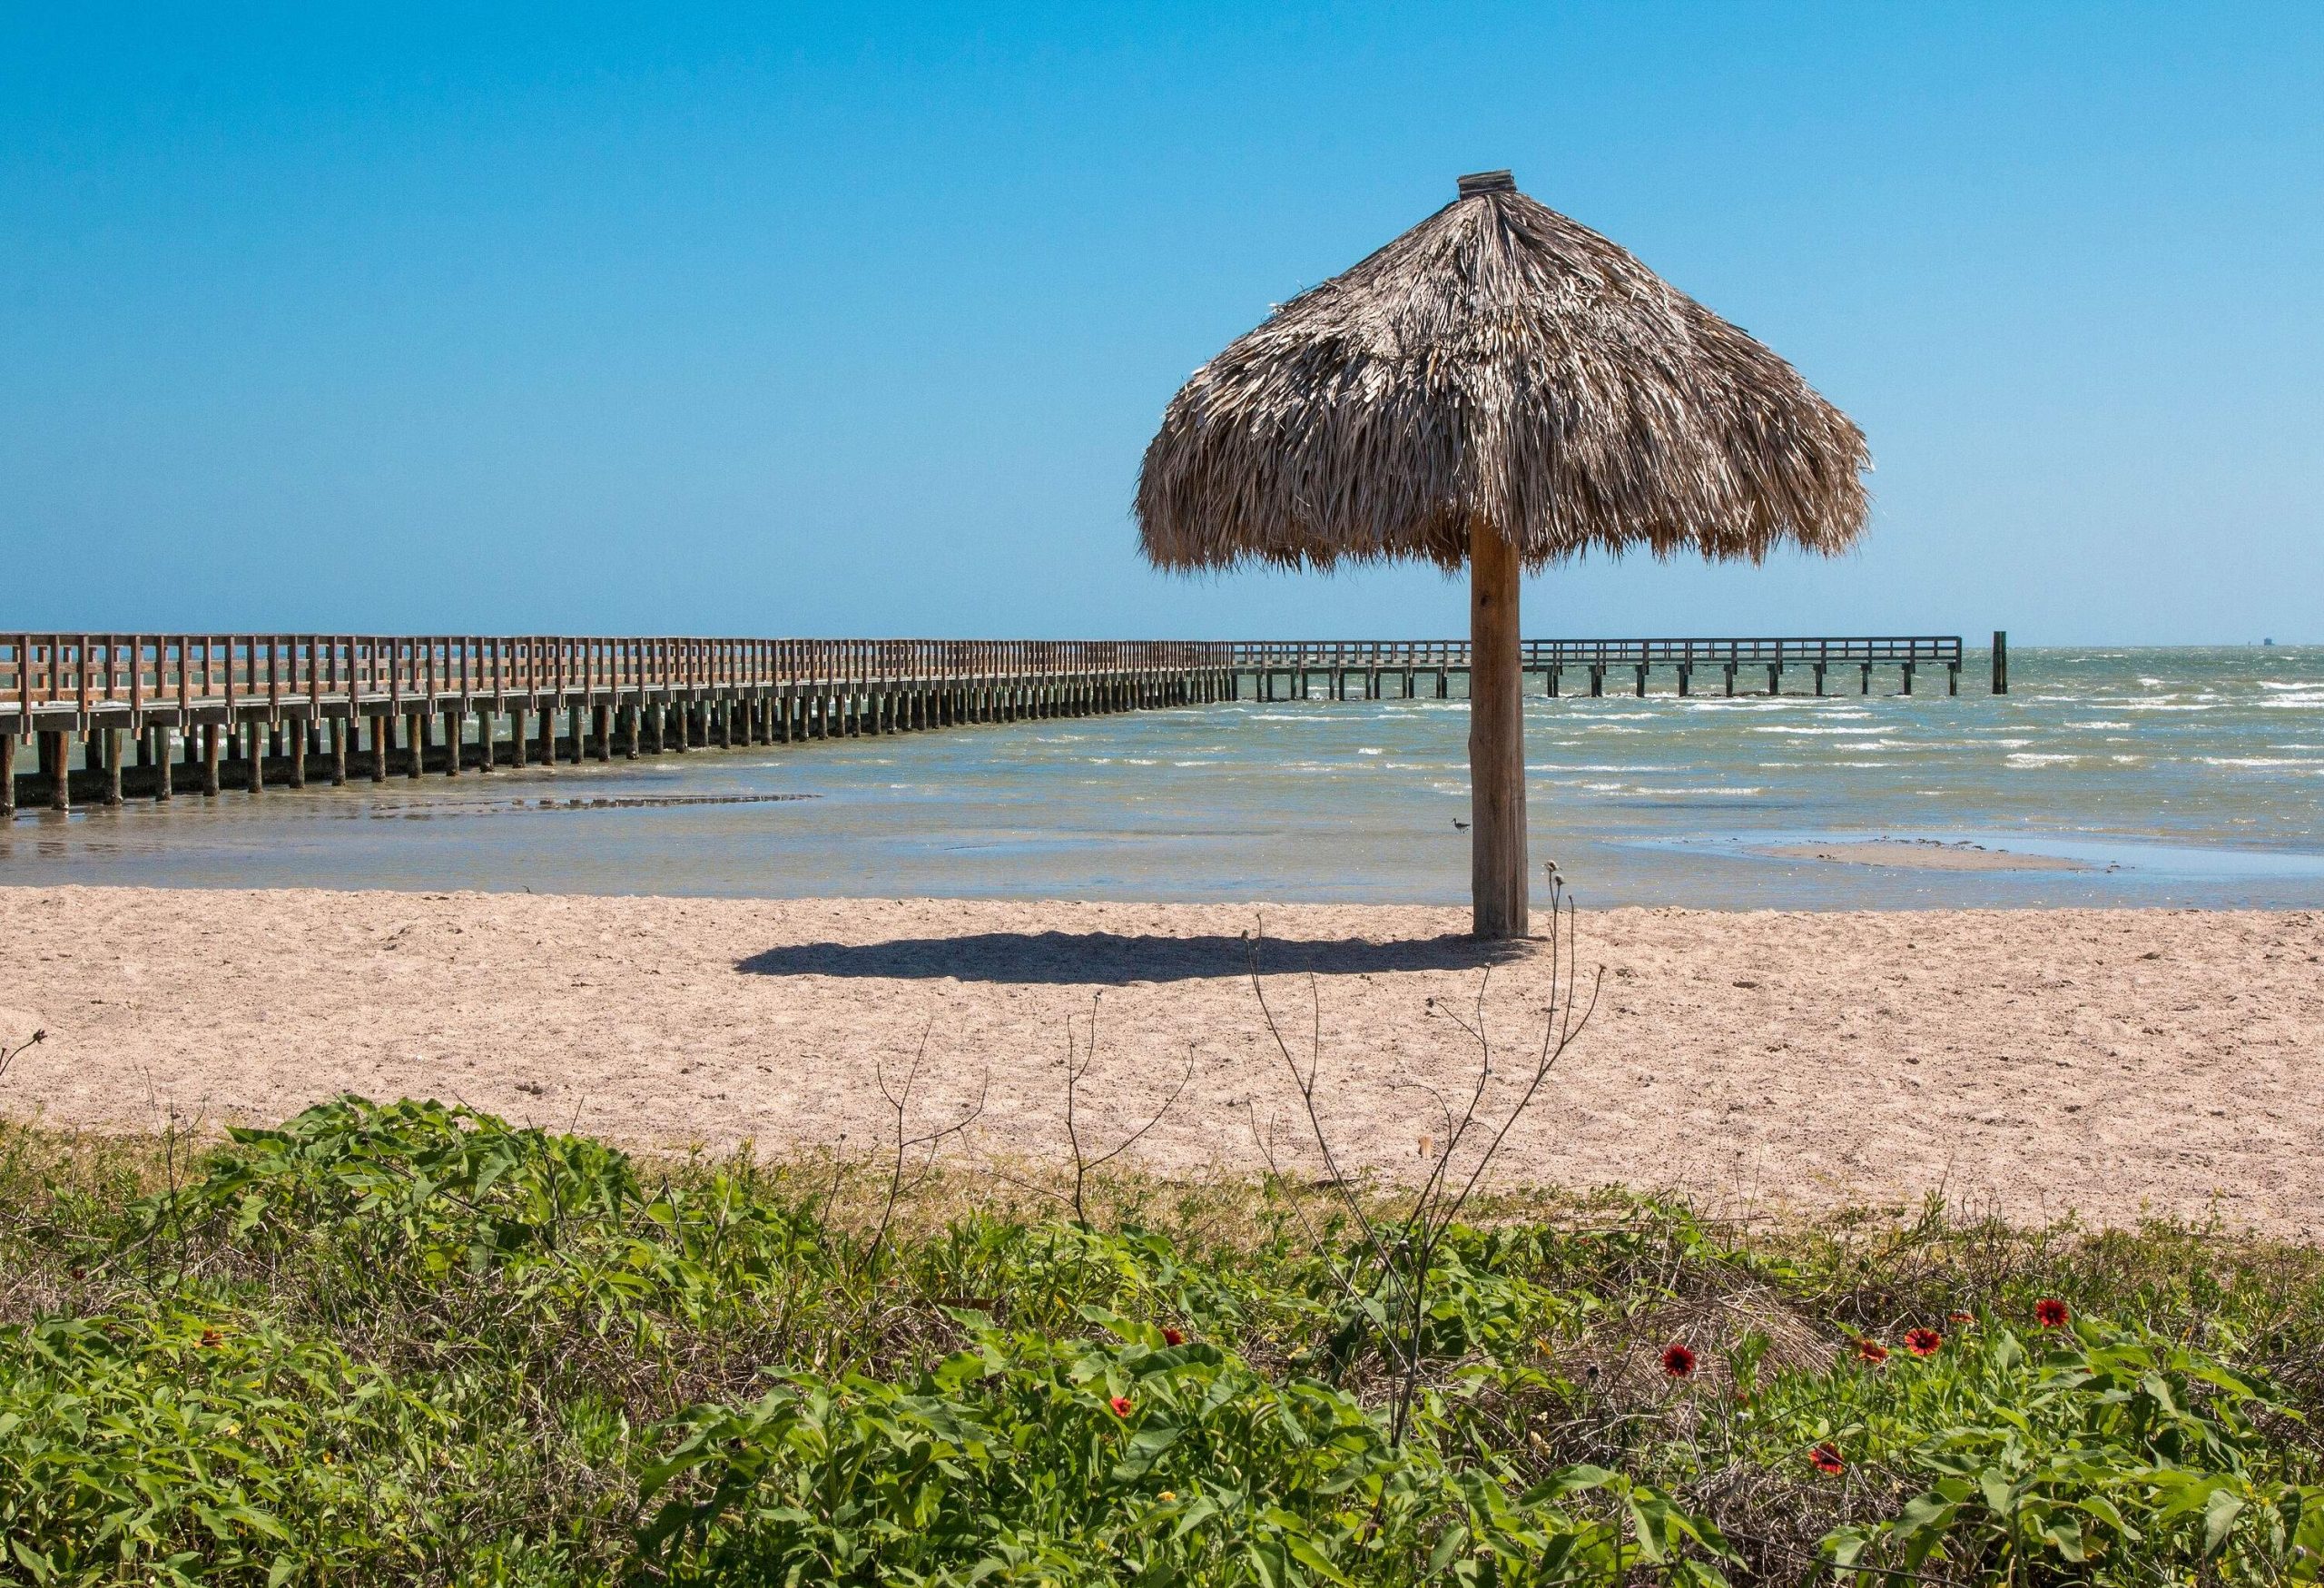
{"x": 1826, "y": 1460}
{"x": 2050, "y": 1313}
{"x": 1871, "y": 1351}
{"x": 211, "y": 1337}
{"x": 1961, "y": 1318}
{"x": 1174, "y": 1336}
{"x": 1922, "y": 1342}
{"x": 1678, "y": 1361}
{"x": 1121, "y": 1404}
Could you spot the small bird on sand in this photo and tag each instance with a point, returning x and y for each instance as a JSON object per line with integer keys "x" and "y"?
{"x": 1458, "y": 823}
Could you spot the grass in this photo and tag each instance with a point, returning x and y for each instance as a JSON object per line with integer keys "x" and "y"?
{"x": 414, "y": 1344}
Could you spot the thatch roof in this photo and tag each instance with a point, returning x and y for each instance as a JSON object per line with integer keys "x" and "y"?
{"x": 1497, "y": 362}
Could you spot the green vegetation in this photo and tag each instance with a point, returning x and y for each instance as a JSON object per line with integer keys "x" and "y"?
{"x": 411, "y": 1343}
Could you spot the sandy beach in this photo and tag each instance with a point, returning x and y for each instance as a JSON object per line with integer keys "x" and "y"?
{"x": 2114, "y": 1063}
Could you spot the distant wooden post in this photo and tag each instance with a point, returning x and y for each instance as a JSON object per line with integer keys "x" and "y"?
{"x": 60, "y": 770}
{"x": 7, "y": 776}
{"x": 109, "y": 740}
{"x": 210, "y": 758}
{"x": 2001, "y": 661}
{"x": 1496, "y": 739}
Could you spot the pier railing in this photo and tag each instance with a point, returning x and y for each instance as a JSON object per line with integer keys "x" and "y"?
{"x": 85, "y": 674}
{"x": 1320, "y": 656}
{"x": 73, "y": 680}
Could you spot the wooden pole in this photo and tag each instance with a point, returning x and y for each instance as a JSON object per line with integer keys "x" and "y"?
{"x": 59, "y": 765}
{"x": 7, "y": 776}
{"x": 2001, "y": 661}
{"x": 109, "y": 741}
{"x": 1496, "y": 739}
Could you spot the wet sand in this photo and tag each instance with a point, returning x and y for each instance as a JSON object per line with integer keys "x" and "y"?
{"x": 1927, "y": 855}
{"x": 2111, "y": 1063}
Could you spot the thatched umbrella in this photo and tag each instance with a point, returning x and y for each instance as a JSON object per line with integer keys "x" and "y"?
{"x": 1504, "y": 388}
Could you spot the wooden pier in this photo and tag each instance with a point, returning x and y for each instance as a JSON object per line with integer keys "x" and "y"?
{"x": 156, "y": 715}
{"x": 1293, "y": 666}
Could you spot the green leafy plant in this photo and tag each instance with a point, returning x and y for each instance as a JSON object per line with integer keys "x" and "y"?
{"x": 385, "y": 1343}
{"x": 1124, "y": 1459}
{"x": 2099, "y": 1451}
{"x": 175, "y": 1445}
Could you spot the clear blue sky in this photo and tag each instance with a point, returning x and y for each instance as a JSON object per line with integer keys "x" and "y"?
{"x": 747, "y": 319}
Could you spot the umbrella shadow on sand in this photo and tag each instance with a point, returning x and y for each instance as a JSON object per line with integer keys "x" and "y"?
{"x": 1109, "y": 959}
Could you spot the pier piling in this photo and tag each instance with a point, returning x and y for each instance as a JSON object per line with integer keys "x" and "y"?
{"x": 54, "y": 751}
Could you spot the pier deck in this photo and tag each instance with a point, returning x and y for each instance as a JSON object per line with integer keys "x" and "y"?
{"x": 202, "y": 713}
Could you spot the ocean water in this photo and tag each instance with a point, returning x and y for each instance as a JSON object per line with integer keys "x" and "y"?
{"x": 2177, "y": 776}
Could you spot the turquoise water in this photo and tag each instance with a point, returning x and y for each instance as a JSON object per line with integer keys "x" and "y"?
{"x": 2172, "y": 776}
